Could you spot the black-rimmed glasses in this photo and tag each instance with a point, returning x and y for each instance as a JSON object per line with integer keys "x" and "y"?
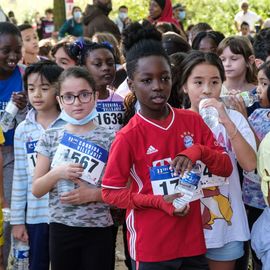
{"x": 83, "y": 97}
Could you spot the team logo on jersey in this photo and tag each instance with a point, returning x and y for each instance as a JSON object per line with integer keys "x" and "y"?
{"x": 188, "y": 139}
{"x": 151, "y": 149}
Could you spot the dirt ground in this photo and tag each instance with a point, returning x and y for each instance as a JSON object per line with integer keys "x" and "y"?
{"x": 119, "y": 260}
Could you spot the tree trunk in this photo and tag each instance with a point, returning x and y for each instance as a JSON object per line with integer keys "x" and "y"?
{"x": 59, "y": 11}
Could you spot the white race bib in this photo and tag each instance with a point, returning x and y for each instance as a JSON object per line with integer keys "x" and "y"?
{"x": 164, "y": 182}
{"x": 31, "y": 156}
{"x": 110, "y": 114}
{"x": 91, "y": 156}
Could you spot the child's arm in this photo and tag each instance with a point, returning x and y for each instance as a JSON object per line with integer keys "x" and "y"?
{"x": 19, "y": 187}
{"x": 244, "y": 152}
{"x": 83, "y": 194}
{"x": 46, "y": 177}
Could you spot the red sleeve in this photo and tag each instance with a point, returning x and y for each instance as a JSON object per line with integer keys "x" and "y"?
{"x": 210, "y": 153}
{"x": 119, "y": 163}
{"x": 218, "y": 163}
{"x": 123, "y": 198}
{"x": 114, "y": 182}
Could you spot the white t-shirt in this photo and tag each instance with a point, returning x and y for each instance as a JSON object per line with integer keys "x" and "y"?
{"x": 3, "y": 17}
{"x": 223, "y": 211}
{"x": 250, "y": 17}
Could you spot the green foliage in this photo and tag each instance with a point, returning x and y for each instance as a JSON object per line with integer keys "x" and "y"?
{"x": 220, "y": 13}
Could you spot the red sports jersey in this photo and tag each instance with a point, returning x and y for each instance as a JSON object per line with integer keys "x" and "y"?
{"x": 154, "y": 234}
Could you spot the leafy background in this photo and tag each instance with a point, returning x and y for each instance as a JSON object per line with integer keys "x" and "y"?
{"x": 218, "y": 13}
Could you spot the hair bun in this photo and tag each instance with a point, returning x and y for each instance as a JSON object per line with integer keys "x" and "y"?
{"x": 138, "y": 31}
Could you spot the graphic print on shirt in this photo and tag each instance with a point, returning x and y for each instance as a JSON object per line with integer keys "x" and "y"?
{"x": 215, "y": 205}
{"x": 188, "y": 139}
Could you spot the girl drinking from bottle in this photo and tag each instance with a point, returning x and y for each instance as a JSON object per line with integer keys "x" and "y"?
{"x": 237, "y": 56}
{"x": 260, "y": 123}
{"x": 29, "y": 215}
{"x": 156, "y": 138}
{"x": 73, "y": 157}
{"x": 223, "y": 213}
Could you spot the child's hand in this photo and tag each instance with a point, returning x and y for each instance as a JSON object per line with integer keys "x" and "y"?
{"x": 180, "y": 164}
{"x": 181, "y": 212}
{"x": 213, "y": 102}
{"x": 69, "y": 171}
{"x": 19, "y": 99}
{"x": 177, "y": 211}
{"x": 20, "y": 233}
{"x": 83, "y": 194}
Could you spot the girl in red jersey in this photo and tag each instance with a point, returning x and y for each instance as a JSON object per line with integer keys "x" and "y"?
{"x": 158, "y": 136}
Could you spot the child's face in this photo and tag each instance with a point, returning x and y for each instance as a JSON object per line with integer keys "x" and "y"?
{"x": 62, "y": 59}
{"x": 152, "y": 84}
{"x": 263, "y": 84}
{"x": 234, "y": 64}
{"x": 245, "y": 30}
{"x": 73, "y": 87}
{"x": 203, "y": 82}
{"x": 10, "y": 52}
{"x": 41, "y": 94}
{"x": 101, "y": 65}
{"x": 208, "y": 45}
{"x": 154, "y": 10}
{"x": 30, "y": 41}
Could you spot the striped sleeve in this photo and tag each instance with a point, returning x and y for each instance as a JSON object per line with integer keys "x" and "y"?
{"x": 20, "y": 179}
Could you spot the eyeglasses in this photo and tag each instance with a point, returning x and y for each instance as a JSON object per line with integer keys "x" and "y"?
{"x": 83, "y": 97}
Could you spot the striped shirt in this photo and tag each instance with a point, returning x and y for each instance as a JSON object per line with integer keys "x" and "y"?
{"x": 25, "y": 207}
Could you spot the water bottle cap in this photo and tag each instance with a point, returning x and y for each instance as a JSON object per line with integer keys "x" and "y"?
{"x": 202, "y": 102}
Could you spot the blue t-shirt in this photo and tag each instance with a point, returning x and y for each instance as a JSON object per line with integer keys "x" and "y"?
{"x": 13, "y": 84}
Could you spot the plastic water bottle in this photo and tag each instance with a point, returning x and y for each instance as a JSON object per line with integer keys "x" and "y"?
{"x": 208, "y": 114}
{"x": 65, "y": 185}
{"x": 187, "y": 186}
{"x": 21, "y": 255}
{"x": 6, "y": 214}
{"x": 249, "y": 98}
{"x": 8, "y": 116}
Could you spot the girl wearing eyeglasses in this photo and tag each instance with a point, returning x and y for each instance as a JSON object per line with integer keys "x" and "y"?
{"x": 74, "y": 157}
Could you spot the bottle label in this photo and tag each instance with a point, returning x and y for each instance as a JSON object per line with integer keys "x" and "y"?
{"x": 190, "y": 178}
{"x": 164, "y": 182}
{"x": 11, "y": 108}
{"x": 31, "y": 156}
{"x": 187, "y": 196}
{"x": 75, "y": 149}
{"x": 21, "y": 254}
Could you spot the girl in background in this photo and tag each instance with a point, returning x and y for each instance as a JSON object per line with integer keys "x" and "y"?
{"x": 62, "y": 54}
{"x": 237, "y": 56}
{"x": 260, "y": 123}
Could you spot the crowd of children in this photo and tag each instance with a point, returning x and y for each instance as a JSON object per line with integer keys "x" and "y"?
{"x": 103, "y": 135}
